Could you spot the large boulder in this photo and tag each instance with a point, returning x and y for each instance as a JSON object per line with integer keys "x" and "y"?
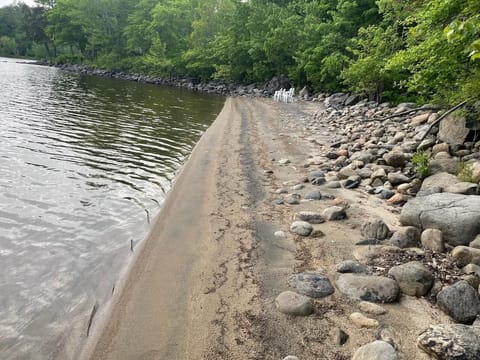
{"x": 441, "y": 180}
{"x": 460, "y": 301}
{"x": 451, "y": 341}
{"x": 457, "y": 216}
{"x": 413, "y": 278}
{"x": 453, "y": 129}
{"x": 368, "y": 287}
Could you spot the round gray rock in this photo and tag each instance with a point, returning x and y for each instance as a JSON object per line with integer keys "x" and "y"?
{"x": 375, "y": 230}
{"x": 396, "y": 178}
{"x": 413, "y": 278}
{"x": 395, "y": 158}
{"x": 315, "y": 174}
{"x": 312, "y": 284}
{"x": 407, "y": 236}
{"x": 314, "y": 195}
{"x": 377, "y": 350}
{"x": 335, "y": 213}
{"x": 302, "y": 228}
{"x": 460, "y": 301}
{"x": 432, "y": 239}
{"x": 377, "y": 289}
{"x": 291, "y": 303}
{"x": 293, "y": 199}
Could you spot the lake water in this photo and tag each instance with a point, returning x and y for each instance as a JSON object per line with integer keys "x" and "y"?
{"x": 85, "y": 164}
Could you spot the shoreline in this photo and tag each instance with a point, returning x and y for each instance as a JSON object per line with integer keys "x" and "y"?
{"x": 142, "y": 255}
{"x": 206, "y": 281}
{"x": 212, "y": 87}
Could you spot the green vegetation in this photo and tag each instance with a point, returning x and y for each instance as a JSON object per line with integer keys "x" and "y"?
{"x": 421, "y": 162}
{"x": 465, "y": 173}
{"x": 424, "y": 50}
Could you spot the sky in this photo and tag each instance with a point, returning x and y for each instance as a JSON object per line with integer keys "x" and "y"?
{"x": 9, "y": 2}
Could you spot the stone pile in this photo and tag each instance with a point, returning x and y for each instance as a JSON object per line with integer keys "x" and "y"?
{"x": 436, "y": 251}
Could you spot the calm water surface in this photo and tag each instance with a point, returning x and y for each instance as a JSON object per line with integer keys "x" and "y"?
{"x": 85, "y": 164}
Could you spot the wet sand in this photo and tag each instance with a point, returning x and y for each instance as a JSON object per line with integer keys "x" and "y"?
{"x": 203, "y": 283}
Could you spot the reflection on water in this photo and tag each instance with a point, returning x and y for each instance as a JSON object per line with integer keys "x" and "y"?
{"x": 84, "y": 163}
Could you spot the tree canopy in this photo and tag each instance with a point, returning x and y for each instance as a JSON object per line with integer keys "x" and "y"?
{"x": 385, "y": 49}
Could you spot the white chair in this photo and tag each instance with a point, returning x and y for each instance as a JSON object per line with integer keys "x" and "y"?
{"x": 284, "y": 95}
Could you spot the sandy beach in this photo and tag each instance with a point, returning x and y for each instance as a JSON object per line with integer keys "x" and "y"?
{"x": 204, "y": 282}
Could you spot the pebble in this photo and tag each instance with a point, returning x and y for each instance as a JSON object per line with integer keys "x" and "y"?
{"x": 298, "y": 187}
{"x": 315, "y": 175}
{"x": 371, "y": 308}
{"x": 387, "y": 333}
{"x": 283, "y": 161}
{"x": 293, "y": 199}
{"x": 334, "y": 184}
{"x": 361, "y": 320}
{"x": 316, "y": 233}
{"x": 314, "y": 195}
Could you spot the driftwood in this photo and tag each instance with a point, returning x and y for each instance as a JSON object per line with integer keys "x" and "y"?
{"x": 408, "y": 112}
{"x": 436, "y": 122}
{"x": 90, "y": 319}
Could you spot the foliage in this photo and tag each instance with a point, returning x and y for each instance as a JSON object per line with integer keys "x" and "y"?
{"x": 421, "y": 162}
{"x": 425, "y": 50}
{"x": 465, "y": 172}
{"x": 373, "y": 47}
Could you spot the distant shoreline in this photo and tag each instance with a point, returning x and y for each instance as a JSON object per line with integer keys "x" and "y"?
{"x": 213, "y": 87}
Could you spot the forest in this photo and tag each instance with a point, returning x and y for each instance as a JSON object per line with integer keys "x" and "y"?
{"x": 395, "y": 50}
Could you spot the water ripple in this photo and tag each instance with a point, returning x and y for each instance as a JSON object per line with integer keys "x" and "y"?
{"x": 85, "y": 163}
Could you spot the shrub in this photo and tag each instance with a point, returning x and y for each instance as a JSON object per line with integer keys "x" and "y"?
{"x": 421, "y": 161}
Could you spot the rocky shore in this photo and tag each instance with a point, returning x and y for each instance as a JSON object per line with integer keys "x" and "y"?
{"x": 428, "y": 176}
{"x": 332, "y": 228}
{"x": 210, "y": 87}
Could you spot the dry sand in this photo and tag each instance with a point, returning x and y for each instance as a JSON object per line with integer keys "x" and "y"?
{"x": 203, "y": 284}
